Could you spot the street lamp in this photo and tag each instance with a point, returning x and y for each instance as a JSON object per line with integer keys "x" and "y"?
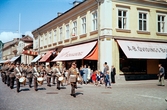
{"x": 98, "y": 21}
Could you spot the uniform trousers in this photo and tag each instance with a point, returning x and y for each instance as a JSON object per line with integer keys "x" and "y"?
{"x": 18, "y": 85}
{"x": 12, "y": 82}
{"x": 30, "y": 81}
{"x": 53, "y": 79}
{"x": 58, "y": 83}
{"x": 4, "y": 78}
{"x": 8, "y": 80}
{"x": 48, "y": 81}
{"x": 73, "y": 86}
{"x": 35, "y": 84}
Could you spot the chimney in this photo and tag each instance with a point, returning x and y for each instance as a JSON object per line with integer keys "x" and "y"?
{"x": 76, "y": 2}
{"x": 23, "y": 36}
{"x": 59, "y": 13}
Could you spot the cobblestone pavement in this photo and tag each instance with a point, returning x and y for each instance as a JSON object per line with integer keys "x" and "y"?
{"x": 124, "y": 95}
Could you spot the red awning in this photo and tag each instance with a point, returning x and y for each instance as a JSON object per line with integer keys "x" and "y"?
{"x": 93, "y": 55}
{"x": 30, "y": 52}
{"x": 46, "y": 57}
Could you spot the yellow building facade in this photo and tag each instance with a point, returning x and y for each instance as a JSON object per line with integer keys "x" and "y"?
{"x": 107, "y": 22}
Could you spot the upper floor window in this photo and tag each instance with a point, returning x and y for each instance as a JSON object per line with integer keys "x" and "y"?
{"x": 94, "y": 21}
{"x": 67, "y": 32}
{"x": 83, "y": 25}
{"x": 161, "y": 20}
{"x": 61, "y": 34}
{"x": 122, "y": 19}
{"x": 45, "y": 42}
{"x": 41, "y": 41}
{"x": 55, "y": 36}
{"x": 50, "y": 37}
{"x": 74, "y": 28}
{"x": 143, "y": 21}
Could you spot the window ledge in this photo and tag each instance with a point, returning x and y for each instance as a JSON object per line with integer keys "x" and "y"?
{"x": 94, "y": 32}
{"x": 161, "y": 34}
{"x": 143, "y": 32}
{"x": 49, "y": 45}
{"x": 45, "y": 46}
{"x": 83, "y": 35}
{"x": 123, "y": 30}
{"x": 66, "y": 40}
{"x": 54, "y": 44}
{"x": 74, "y": 38}
{"x": 60, "y": 42}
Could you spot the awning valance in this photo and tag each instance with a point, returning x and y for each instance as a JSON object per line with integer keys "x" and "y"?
{"x": 75, "y": 52}
{"x": 36, "y": 59}
{"x": 30, "y": 52}
{"x": 46, "y": 56}
{"x": 143, "y": 50}
{"x": 14, "y": 58}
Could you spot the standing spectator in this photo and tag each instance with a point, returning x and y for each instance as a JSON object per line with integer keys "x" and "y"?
{"x": 88, "y": 76}
{"x": 106, "y": 68}
{"x": 161, "y": 75}
{"x": 113, "y": 73}
{"x": 107, "y": 80}
{"x": 85, "y": 75}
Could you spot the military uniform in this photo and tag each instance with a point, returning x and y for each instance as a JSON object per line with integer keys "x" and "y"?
{"x": 73, "y": 80}
{"x": 36, "y": 74}
{"x": 49, "y": 74}
{"x": 17, "y": 73}
{"x": 11, "y": 76}
{"x": 29, "y": 75}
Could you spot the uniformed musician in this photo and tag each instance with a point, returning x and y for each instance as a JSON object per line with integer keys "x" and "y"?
{"x": 17, "y": 73}
{"x": 73, "y": 73}
{"x": 49, "y": 74}
{"x": 11, "y": 75}
{"x": 58, "y": 74}
{"x": 7, "y": 74}
{"x": 54, "y": 73}
{"x": 36, "y": 75}
{"x": 29, "y": 74}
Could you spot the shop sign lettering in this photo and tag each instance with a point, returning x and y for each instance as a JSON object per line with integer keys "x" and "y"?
{"x": 147, "y": 49}
{"x": 68, "y": 54}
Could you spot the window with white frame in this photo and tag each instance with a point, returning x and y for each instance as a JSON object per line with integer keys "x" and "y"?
{"x": 74, "y": 32}
{"x": 83, "y": 20}
{"x": 122, "y": 19}
{"x": 50, "y": 37}
{"x": 67, "y": 32}
{"x": 143, "y": 21}
{"x": 45, "y": 39}
{"x": 61, "y": 34}
{"x": 94, "y": 21}
{"x": 161, "y": 20}
{"x": 41, "y": 41}
{"x": 55, "y": 36}
{"x": 37, "y": 42}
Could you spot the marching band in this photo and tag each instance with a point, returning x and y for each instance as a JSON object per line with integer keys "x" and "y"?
{"x": 11, "y": 72}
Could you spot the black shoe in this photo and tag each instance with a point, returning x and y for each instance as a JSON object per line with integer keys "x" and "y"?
{"x": 58, "y": 88}
{"x": 74, "y": 95}
{"x": 11, "y": 87}
{"x": 18, "y": 91}
{"x": 49, "y": 85}
{"x": 30, "y": 86}
{"x": 36, "y": 89}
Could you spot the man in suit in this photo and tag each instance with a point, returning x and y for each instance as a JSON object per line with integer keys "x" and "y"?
{"x": 161, "y": 75}
{"x": 73, "y": 73}
{"x": 113, "y": 73}
{"x": 106, "y": 68}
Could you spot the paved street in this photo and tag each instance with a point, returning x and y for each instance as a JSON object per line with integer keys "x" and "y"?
{"x": 124, "y": 95}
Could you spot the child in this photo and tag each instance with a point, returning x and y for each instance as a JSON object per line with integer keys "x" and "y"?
{"x": 107, "y": 80}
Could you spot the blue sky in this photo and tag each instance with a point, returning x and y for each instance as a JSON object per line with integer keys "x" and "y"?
{"x": 33, "y": 14}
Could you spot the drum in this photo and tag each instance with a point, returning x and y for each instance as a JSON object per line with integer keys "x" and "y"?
{"x": 40, "y": 80}
{"x": 60, "y": 78}
{"x": 22, "y": 79}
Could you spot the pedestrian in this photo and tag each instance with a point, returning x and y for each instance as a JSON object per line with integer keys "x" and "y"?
{"x": 88, "y": 76}
{"x": 113, "y": 73}
{"x": 106, "y": 68}
{"x": 161, "y": 75}
{"x": 107, "y": 80}
{"x": 94, "y": 77}
{"x": 85, "y": 75}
